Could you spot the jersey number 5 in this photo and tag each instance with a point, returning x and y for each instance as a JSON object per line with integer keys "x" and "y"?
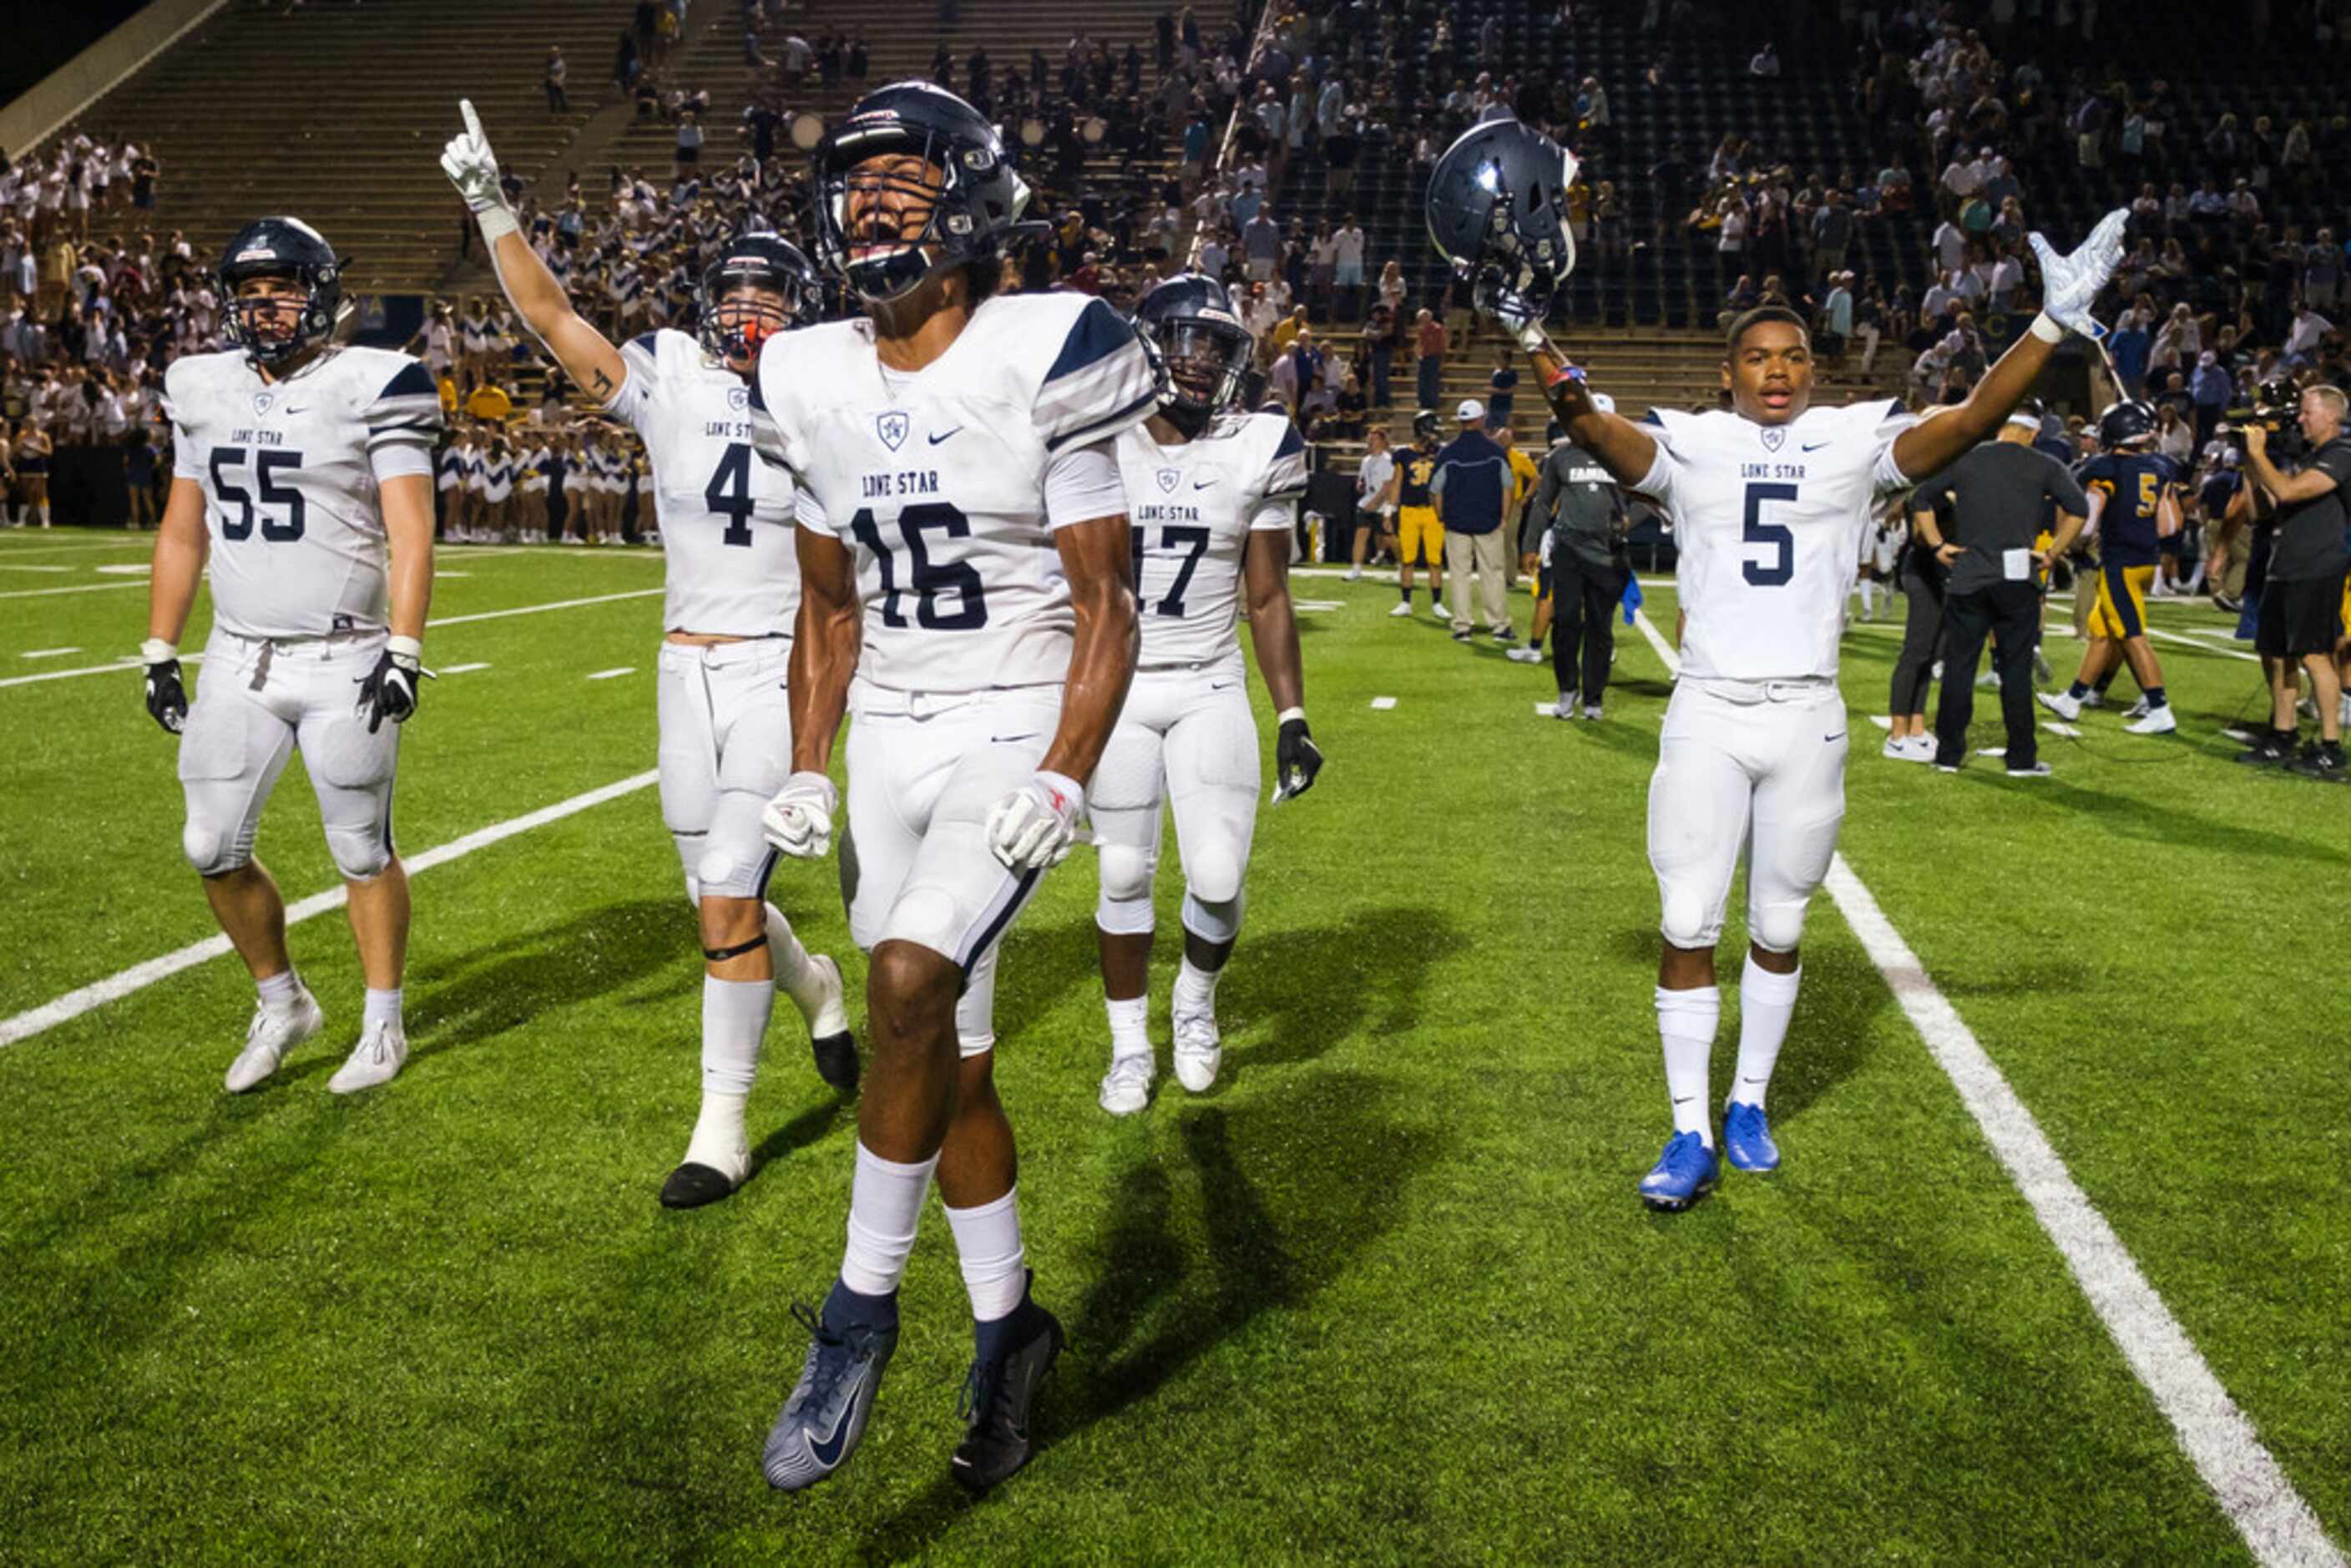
{"x": 268, "y": 461}
{"x": 1776, "y": 571}
{"x": 931, "y": 579}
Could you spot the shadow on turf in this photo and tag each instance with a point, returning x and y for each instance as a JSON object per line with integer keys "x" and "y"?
{"x": 471, "y": 997}
{"x": 1290, "y": 1187}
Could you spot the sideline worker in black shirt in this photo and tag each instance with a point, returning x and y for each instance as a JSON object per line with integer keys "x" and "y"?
{"x": 2302, "y": 599}
{"x": 1998, "y": 493}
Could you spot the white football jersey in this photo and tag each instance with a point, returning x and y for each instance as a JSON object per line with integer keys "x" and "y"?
{"x": 935, "y": 480}
{"x": 725, "y": 518}
{"x": 1193, "y": 507}
{"x": 288, "y": 474}
{"x": 1769, "y": 521}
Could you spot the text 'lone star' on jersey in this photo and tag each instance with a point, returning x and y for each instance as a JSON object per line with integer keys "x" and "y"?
{"x": 934, "y": 478}
{"x": 1768, "y": 521}
{"x": 288, "y": 472}
{"x": 1193, "y": 507}
{"x": 725, "y": 517}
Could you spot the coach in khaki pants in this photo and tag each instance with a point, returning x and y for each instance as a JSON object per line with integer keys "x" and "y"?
{"x": 1472, "y": 481}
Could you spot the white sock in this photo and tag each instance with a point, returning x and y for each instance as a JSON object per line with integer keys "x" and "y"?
{"x": 790, "y": 958}
{"x": 1686, "y": 1023}
{"x": 1195, "y": 989}
{"x": 734, "y": 1023}
{"x": 885, "y": 1202}
{"x": 280, "y": 989}
{"x": 382, "y": 1008}
{"x": 995, "y": 1263}
{"x": 1130, "y": 1025}
{"x": 1766, "y": 1003}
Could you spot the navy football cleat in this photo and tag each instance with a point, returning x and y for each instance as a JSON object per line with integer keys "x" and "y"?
{"x": 1684, "y": 1171}
{"x": 999, "y": 1399}
{"x": 824, "y": 1419}
{"x": 1747, "y": 1139}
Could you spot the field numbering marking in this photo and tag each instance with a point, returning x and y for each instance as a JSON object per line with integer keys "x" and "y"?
{"x": 2245, "y": 1478}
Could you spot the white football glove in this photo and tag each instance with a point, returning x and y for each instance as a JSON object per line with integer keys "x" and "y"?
{"x": 472, "y": 168}
{"x": 798, "y": 821}
{"x": 1034, "y": 826}
{"x": 2070, "y": 284}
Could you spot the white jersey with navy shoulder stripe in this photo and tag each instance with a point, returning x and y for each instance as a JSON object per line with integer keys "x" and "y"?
{"x": 935, "y": 479}
{"x": 1769, "y": 521}
{"x": 725, "y": 517}
{"x": 1193, "y": 507}
{"x": 288, "y": 474}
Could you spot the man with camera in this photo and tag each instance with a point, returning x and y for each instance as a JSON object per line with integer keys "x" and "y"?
{"x": 2302, "y": 600}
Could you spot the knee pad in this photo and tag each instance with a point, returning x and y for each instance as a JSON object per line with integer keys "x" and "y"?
{"x": 358, "y": 855}
{"x": 1127, "y": 873}
{"x": 1213, "y": 877}
{"x": 1777, "y": 927}
{"x": 1215, "y": 922}
{"x": 1688, "y": 918}
{"x": 1125, "y": 916}
{"x": 720, "y": 874}
{"x": 209, "y": 851}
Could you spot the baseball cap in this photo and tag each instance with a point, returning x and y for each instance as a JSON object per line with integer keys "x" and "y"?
{"x": 1470, "y": 411}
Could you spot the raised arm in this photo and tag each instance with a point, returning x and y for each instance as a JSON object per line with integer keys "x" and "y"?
{"x": 1622, "y": 447}
{"x": 586, "y": 355}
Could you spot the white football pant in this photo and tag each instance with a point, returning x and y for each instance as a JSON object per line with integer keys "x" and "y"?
{"x": 726, "y": 749}
{"x": 1757, "y": 767}
{"x": 1184, "y": 735}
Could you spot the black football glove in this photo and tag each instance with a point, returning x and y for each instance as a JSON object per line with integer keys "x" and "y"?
{"x": 390, "y": 689}
{"x": 1296, "y": 759}
{"x": 167, "y": 698}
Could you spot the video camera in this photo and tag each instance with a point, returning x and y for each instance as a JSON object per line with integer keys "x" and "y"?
{"x": 2277, "y": 407}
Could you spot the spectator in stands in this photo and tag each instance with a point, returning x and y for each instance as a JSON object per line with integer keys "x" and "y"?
{"x": 689, "y": 145}
{"x": 1429, "y": 344}
{"x": 558, "y": 101}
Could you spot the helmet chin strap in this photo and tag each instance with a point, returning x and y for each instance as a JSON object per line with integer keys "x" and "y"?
{"x": 1186, "y": 418}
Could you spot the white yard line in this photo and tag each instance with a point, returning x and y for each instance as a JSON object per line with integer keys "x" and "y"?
{"x": 115, "y": 987}
{"x": 77, "y": 588}
{"x": 445, "y": 621}
{"x": 31, "y": 566}
{"x": 46, "y": 652}
{"x": 459, "y": 669}
{"x": 2245, "y": 1479}
{"x": 616, "y": 671}
{"x": 2202, "y": 646}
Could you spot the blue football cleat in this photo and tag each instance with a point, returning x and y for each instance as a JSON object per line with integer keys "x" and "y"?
{"x": 1686, "y": 1169}
{"x": 1747, "y": 1139}
{"x": 825, "y": 1418}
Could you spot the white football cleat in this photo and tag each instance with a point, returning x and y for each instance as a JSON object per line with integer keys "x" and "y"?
{"x": 2158, "y": 721}
{"x": 381, "y": 1052}
{"x": 1126, "y": 1088}
{"x": 273, "y": 1032}
{"x": 1200, "y": 1051}
{"x": 1355, "y": 574}
{"x": 1524, "y": 655}
{"x": 1400, "y": 611}
{"x": 2063, "y": 703}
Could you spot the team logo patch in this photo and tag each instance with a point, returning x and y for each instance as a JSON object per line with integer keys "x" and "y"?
{"x": 738, "y": 398}
{"x": 261, "y": 402}
{"x": 1774, "y": 438}
{"x": 1167, "y": 477}
{"x": 892, "y": 429}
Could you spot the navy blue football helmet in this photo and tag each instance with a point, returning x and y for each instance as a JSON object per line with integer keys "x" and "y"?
{"x": 1497, "y": 211}
{"x": 287, "y": 248}
{"x": 2120, "y": 424}
{"x": 1197, "y": 341}
{"x": 762, "y": 259}
{"x": 969, "y": 216}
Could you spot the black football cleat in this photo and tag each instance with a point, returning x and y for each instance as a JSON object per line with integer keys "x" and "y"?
{"x": 691, "y": 1185}
{"x": 999, "y": 1399}
{"x": 836, "y": 1060}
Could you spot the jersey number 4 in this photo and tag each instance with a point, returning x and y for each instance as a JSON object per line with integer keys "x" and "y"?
{"x": 268, "y": 462}
{"x": 931, "y": 580}
{"x": 1782, "y": 566}
{"x": 728, "y": 494}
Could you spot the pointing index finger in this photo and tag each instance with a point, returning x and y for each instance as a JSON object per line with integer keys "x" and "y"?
{"x": 472, "y": 120}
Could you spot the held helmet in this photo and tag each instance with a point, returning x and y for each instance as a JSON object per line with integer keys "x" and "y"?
{"x": 279, "y": 247}
{"x": 975, "y": 209}
{"x": 1197, "y": 342}
{"x": 2126, "y": 423}
{"x": 758, "y": 260}
{"x": 1497, "y": 211}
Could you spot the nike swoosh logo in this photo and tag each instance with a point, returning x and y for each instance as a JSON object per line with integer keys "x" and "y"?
{"x": 1838, "y": 736}
{"x": 1202, "y": 483}
{"x": 937, "y": 439}
{"x": 828, "y": 1453}
{"x": 1815, "y": 446}
{"x": 1009, "y": 739}
{"x": 292, "y": 410}
{"x": 1686, "y": 1100}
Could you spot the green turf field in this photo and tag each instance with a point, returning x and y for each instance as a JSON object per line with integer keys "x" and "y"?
{"x": 1384, "y": 1295}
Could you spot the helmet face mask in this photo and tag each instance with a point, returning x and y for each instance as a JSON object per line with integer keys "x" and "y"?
{"x": 1199, "y": 347}
{"x": 914, "y": 181}
{"x": 756, "y": 289}
{"x": 296, "y": 256}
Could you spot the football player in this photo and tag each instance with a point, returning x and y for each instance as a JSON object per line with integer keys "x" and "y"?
{"x": 732, "y": 595}
{"x": 1213, "y": 497}
{"x": 1769, "y": 499}
{"x": 302, "y": 475}
{"x": 964, "y": 546}
{"x": 2134, "y": 494}
{"x": 1419, "y": 535}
